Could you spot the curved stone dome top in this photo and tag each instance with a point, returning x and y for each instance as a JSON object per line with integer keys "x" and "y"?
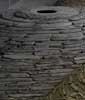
{"x": 56, "y": 12}
{"x": 43, "y": 11}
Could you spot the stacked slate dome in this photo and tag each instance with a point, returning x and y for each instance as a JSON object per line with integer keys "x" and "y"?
{"x": 38, "y": 48}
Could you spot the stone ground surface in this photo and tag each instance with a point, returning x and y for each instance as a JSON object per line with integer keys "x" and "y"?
{"x": 4, "y": 4}
{"x": 38, "y": 49}
{"x": 33, "y": 3}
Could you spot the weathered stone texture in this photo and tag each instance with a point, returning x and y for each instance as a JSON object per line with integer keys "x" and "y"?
{"x": 37, "y": 50}
{"x": 71, "y": 88}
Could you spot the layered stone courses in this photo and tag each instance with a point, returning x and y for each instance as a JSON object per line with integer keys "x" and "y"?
{"x": 38, "y": 50}
{"x": 71, "y": 88}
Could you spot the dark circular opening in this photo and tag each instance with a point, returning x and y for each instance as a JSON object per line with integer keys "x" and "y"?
{"x": 46, "y": 11}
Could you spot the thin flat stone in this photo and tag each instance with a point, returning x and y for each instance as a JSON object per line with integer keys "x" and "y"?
{"x": 21, "y": 56}
{"x": 78, "y": 17}
{"x": 70, "y": 36}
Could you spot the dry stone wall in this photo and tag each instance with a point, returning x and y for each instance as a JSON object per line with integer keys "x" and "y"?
{"x": 38, "y": 48}
{"x": 71, "y": 88}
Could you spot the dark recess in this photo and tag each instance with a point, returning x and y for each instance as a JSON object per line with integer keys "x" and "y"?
{"x": 46, "y": 11}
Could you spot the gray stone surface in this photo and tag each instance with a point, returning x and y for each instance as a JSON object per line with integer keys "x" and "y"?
{"x": 36, "y": 53}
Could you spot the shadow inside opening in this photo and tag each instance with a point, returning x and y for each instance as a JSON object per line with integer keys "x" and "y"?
{"x": 46, "y": 11}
